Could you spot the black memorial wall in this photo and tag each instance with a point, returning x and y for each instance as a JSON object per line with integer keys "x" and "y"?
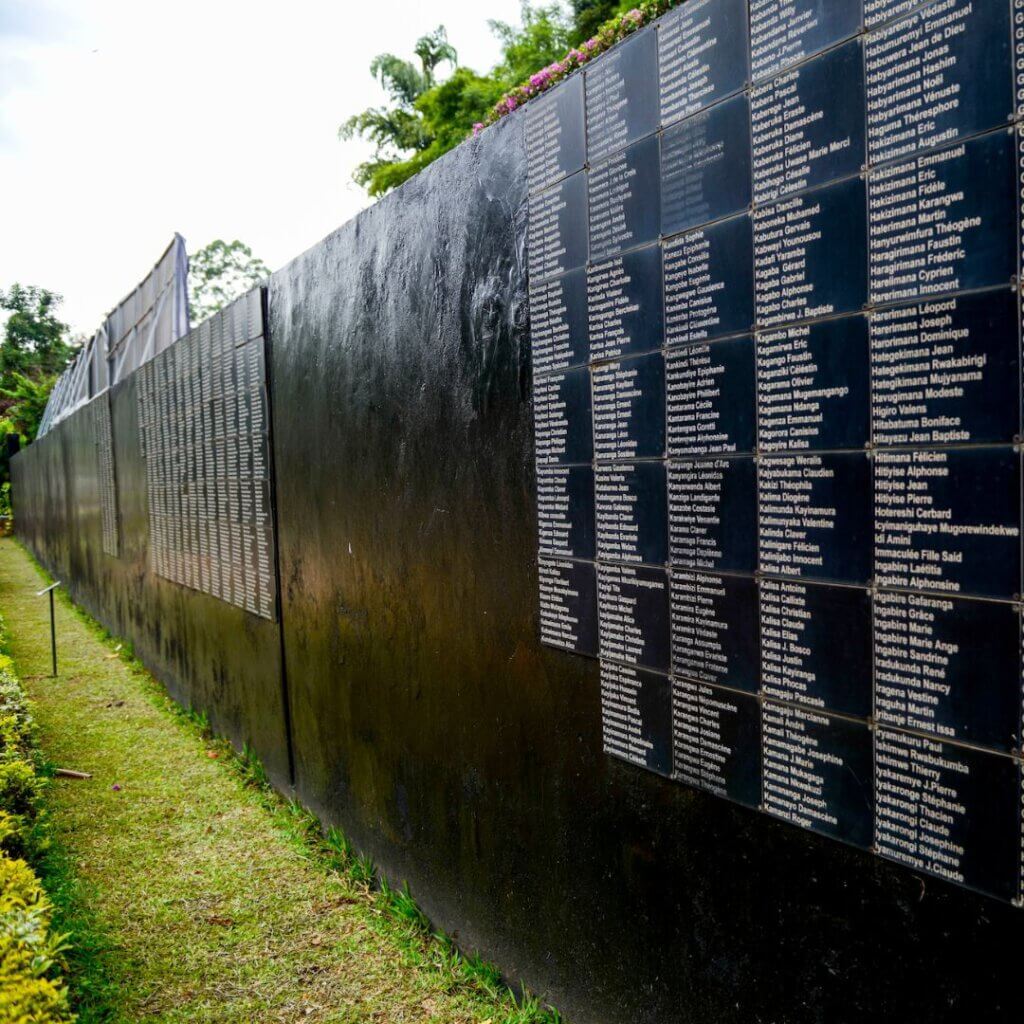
{"x": 152, "y": 505}
{"x": 778, "y": 405}
{"x": 418, "y": 464}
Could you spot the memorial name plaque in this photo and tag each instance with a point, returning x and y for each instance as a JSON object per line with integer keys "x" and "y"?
{"x": 558, "y": 322}
{"x": 941, "y": 221}
{"x": 949, "y": 667}
{"x": 702, "y": 55}
{"x": 783, "y": 32}
{"x": 633, "y": 615}
{"x": 776, "y": 329}
{"x": 712, "y": 508}
{"x": 562, "y": 417}
{"x": 565, "y": 511}
{"x": 709, "y": 282}
{"x": 949, "y": 520}
{"x": 104, "y": 441}
{"x": 206, "y": 437}
{"x": 624, "y": 304}
{"x": 711, "y": 407}
{"x": 715, "y": 630}
{"x": 717, "y": 740}
{"x": 818, "y": 772}
{"x": 629, "y": 408}
{"x": 801, "y": 660}
{"x": 705, "y": 166}
{"x": 624, "y": 200}
{"x": 631, "y": 512}
{"x": 813, "y": 385}
{"x": 636, "y": 716}
{"x": 568, "y": 605}
{"x": 807, "y": 124}
{"x": 939, "y": 74}
{"x": 814, "y": 516}
{"x": 947, "y": 371}
{"x": 808, "y": 254}
{"x": 555, "y": 142}
{"x": 558, "y": 228}
{"x": 948, "y": 810}
{"x": 622, "y": 96}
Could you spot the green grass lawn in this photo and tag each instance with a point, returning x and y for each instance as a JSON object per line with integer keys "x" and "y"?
{"x": 192, "y": 893}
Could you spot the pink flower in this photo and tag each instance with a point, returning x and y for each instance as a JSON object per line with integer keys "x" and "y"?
{"x": 634, "y": 15}
{"x": 478, "y": 127}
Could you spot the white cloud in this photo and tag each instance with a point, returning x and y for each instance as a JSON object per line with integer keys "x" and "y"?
{"x": 122, "y": 122}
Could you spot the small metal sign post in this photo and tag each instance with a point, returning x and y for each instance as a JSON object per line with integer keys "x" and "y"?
{"x": 53, "y": 624}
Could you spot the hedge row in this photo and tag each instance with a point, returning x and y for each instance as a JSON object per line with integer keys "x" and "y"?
{"x": 31, "y": 990}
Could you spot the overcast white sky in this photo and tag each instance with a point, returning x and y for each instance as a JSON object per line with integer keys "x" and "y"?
{"x": 123, "y": 121}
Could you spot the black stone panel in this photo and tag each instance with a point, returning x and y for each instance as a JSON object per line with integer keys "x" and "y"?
{"x": 809, "y": 254}
{"x": 816, "y": 645}
{"x": 715, "y": 630}
{"x": 558, "y": 322}
{"x": 943, "y": 221}
{"x": 629, "y": 408}
{"x": 949, "y": 520}
{"x": 705, "y": 166}
{"x": 709, "y": 282}
{"x": 568, "y": 604}
{"x": 555, "y": 134}
{"x": 633, "y": 615}
{"x": 624, "y": 304}
{"x": 710, "y": 396}
{"x": 622, "y": 95}
{"x": 558, "y": 228}
{"x": 624, "y": 200}
{"x": 562, "y": 417}
{"x": 636, "y": 716}
{"x": 712, "y": 511}
{"x": 948, "y": 810}
{"x": 947, "y": 371}
{"x": 949, "y": 667}
{"x": 818, "y": 772}
{"x": 807, "y": 124}
{"x": 565, "y": 511}
{"x": 632, "y": 512}
{"x": 815, "y": 516}
{"x": 703, "y": 55}
{"x": 939, "y": 74}
{"x": 813, "y": 387}
{"x": 783, "y": 32}
{"x": 717, "y": 740}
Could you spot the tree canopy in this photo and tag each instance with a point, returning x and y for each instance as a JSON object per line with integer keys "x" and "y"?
{"x": 219, "y": 273}
{"x": 35, "y": 349}
{"x": 427, "y": 116}
{"x": 35, "y": 340}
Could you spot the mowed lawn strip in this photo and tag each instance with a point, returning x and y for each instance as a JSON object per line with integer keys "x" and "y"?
{"x": 193, "y": 900}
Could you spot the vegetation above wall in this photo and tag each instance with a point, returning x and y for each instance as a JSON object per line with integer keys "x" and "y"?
{"x": 426, "y": 115}
{"x": 35, "y": 349}
{"x": 611, "y": 32}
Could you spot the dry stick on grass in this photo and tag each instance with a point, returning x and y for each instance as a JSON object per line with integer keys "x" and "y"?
{"x": 70, "y": 773}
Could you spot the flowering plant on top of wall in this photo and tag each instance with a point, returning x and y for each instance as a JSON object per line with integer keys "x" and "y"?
{"x": 610, "y": 33}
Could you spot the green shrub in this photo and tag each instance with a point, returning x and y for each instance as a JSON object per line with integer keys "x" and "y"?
{"x": 31, "y": 991}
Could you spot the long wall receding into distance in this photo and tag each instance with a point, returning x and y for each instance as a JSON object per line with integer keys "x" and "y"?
{"x": 415, "y": 525}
